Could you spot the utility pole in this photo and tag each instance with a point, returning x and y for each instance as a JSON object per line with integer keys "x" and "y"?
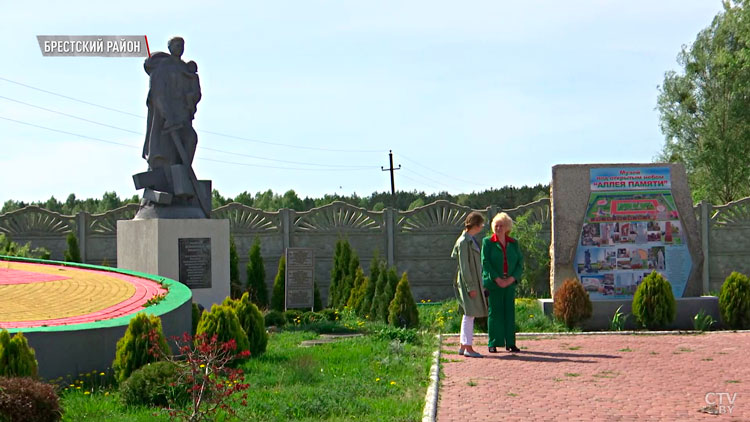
{"x": 391, "y": 169}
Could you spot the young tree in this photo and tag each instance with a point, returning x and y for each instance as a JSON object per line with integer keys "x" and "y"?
{"x": 235, "y": 285}
{"x": 703, "y": 110}
{"x": 277, "y": 298}
{"x": 73, "y": 253}
{"x": 402, "y": 311}
{"x": 256, "y": 276}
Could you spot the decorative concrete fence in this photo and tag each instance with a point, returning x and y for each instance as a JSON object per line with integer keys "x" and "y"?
{"x": 418, "y": 241}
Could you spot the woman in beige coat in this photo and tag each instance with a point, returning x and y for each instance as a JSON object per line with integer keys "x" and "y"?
{"x": 469, "y": 280}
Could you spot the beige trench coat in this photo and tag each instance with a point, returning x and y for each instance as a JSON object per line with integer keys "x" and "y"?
{"x": 469, "y": 276}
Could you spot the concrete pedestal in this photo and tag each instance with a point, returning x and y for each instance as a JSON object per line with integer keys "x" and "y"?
{"x": 156, "y": 246}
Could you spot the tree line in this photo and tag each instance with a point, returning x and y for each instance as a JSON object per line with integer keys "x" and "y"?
{"x": 506, "y": 197}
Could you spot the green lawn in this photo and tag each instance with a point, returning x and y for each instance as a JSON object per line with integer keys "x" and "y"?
{"x": 346, "y": 380}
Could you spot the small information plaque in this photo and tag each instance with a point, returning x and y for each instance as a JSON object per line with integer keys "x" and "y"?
{"x": 299, "y": 278}
{"x": 195, "y": 262}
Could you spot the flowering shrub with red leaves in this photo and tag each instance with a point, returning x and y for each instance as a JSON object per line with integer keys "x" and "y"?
{"x": 204, "y": 370}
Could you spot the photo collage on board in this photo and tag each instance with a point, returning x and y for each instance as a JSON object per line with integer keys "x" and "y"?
{"x": 625, "y": 237}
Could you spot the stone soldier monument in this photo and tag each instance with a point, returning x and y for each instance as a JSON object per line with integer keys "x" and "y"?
{"x": 171, "y": 189}
{"x": 172, "y": 234}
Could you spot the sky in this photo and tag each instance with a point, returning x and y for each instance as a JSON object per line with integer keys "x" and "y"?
{"x": 311, "y": 95}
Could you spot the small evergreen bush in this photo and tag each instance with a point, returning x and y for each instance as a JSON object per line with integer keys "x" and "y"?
{"x": 402, "y": 311}
{"x": 17, "y": 358}
{"x": 256, "y": 276}
{"x": 235, "y": 285}
{"x": 24, "y": 399}
{"x": 154, "y": 384}
{"x": 357, "y": 294}
{"x": 653, "y": 303}
{"x": 133, "y": 349}
{"x": 222, "y": 321}
{"x": 11, "y": 248}
{"x": 73, "y": 253}
{"x": 277, "y": 298}
{"x": 386, "y": 296}
{"x": 572, "y": 304}
{"x": 365, "y": 307}
{"x": 252, "y": 322}
{"x": 734, "y": 301}
{"x": 275, "y": 318}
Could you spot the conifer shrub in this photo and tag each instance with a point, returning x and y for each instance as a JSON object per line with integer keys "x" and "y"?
{"x": 73, "y": 253}
{"x": 572, "y": 304}
{"x": 10, "y": 248}
{"x": 252, "y": 322}
{"x": 653, "y": 303}
{"x": 235, "y": 285}
{"x": 154, "y": 384}
{"x": 380, "y": 286}
{"x": 17, "y": 358}
{"x": 275, "y": 318}
{"x": 317, "y": 301}
{"x": 336, "y": 272}
{"x": 277, "y": 298}
{"x": 133, "y": 349}
{"x": 256, "y": 276}
{"x": 357, "y": 294}
{"x": 223, "y": 322}
{"x": 386, "y": 296}
{"x": 734, "y": 301}
{"x": 376, "y": 266}
{"x": 196, "y": 317}
{"x": 25, "y": 399}
{"x": 402, "y": 311}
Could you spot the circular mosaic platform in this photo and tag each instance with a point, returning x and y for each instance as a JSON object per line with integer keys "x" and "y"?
{"x": 38, "y": 295}
{"x": 74, "y": 314}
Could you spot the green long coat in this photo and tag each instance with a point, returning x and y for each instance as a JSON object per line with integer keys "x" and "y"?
{"x": 492, "y": 262}
{"x": 469, "y": 276}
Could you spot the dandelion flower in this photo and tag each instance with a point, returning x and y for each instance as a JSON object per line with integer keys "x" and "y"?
{"x": 377, "y": 379}
{"x": 86, "y": 392}
{"x": 202, "y": 365}
{"x": 393, "y": 382}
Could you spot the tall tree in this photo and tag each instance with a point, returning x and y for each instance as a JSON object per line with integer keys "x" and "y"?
{"x": 704, "y": 110}
{"x": 256, "y": 276}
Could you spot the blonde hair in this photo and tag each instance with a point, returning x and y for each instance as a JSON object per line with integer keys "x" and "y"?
{"x": 505, "y": 218}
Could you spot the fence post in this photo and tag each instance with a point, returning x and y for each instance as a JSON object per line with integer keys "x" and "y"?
{"x": 285, "y": 227}
{"x": 390, "y": 232}
{"x": 705, "y": 244}
{"x": 81, "y": 225}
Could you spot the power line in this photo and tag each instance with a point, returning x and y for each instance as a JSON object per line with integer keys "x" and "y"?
{"x": 199, "y": 130}
{"x": 438, "y": 172}
{"x": 419, "y": 181}
{"x": 70, "y": 115}
{"x": 206, "y": 148}
{"x": 199, "y": 158}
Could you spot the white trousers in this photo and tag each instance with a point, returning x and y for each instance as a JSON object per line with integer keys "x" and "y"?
{"x": 467, "y": 330}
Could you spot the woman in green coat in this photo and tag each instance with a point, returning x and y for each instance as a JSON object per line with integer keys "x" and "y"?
{"x": 502, "y": 267}
{"x": 469, "y": 281}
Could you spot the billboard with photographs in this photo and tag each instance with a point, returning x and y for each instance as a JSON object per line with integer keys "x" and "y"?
{"x": 631, "y": 228}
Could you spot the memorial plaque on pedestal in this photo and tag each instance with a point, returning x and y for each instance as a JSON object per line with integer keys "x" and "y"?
{"x": 299, "y": 278}
{"x": 195, "y": 262}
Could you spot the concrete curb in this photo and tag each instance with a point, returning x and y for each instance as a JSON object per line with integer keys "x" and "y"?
{"x": 429, "y": 414}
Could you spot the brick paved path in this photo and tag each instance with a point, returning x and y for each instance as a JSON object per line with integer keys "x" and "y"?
{"x": 600, "y": 378}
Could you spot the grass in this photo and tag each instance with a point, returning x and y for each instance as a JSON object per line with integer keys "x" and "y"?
{"x": 446, "y": 317}
{"x": 344, "y": 380}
